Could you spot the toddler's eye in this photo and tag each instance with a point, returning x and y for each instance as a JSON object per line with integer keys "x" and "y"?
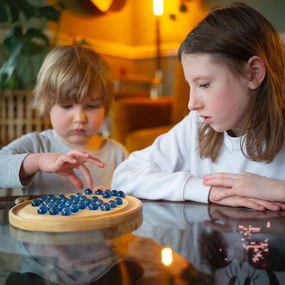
{"x": 67, "y": 106}
{"x": 94, "y": 106}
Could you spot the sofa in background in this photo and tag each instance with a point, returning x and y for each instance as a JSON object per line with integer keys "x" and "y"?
{"x": 136, "y": 122}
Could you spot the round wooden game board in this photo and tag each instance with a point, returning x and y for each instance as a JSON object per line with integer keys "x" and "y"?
{"x": 76, "y": 237}
{"x": 25, "y": 216}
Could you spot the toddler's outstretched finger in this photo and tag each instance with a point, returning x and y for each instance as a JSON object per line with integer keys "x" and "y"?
{"x": 96, "y": 161}
{"x": 87, "y": 175}
{"x": 75, "y": 181}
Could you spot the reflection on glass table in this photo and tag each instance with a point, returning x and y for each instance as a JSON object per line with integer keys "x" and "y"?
{"x": 171, "y": 243}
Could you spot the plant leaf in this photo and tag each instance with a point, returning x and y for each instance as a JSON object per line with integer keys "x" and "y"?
{"x": 50, "y": 13}
{"x": 4, "y": 17}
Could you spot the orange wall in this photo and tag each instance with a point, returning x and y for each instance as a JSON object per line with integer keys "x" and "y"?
{"x": 127, "y": 38}
{"x": 132, "y": 26}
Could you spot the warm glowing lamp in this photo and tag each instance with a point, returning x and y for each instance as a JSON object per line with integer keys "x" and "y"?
{"x": 158, "y": 7}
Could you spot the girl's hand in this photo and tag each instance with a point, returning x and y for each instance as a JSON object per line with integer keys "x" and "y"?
{"x": 239, "y": 201}
{"x": 61, "y": 164}
{"x": 247, "y": 190}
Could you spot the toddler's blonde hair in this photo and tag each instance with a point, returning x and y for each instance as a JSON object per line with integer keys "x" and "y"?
{"x": 68, "y": 74}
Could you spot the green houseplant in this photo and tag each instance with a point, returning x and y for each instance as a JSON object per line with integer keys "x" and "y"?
{"x": 24, "y": 43}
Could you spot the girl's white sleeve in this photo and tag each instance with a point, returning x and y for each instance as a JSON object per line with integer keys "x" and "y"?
{"x": 162, "y": 170}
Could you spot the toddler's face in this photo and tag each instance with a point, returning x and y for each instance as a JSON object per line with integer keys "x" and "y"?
{"x": 76, "y": 123}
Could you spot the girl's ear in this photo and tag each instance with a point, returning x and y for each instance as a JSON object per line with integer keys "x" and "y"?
{"x": 257, "y": 72}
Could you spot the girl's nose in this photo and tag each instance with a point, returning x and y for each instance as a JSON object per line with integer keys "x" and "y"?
{"x": 193, "y": 103}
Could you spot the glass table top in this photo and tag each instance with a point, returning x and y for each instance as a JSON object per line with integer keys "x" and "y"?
{"x": 169, "y": 243}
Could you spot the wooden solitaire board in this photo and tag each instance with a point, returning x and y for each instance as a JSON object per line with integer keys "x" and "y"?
{"x": 24, "y": 216}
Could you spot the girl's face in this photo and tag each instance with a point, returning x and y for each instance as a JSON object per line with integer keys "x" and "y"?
{"x": 220, "y": 97}
{"x": 77, "y": 123}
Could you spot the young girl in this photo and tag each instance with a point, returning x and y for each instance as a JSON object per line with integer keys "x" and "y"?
{"x": 74, "y": 87}
{"x": 234, "y": 64}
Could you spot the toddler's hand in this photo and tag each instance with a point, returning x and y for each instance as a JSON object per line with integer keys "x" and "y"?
{"x": 64, "y": 165}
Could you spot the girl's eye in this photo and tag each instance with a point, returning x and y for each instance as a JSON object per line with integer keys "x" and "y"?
{"x": 204, "y": 85}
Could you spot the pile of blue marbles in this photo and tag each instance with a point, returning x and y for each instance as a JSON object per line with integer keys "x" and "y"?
{"x": 68, "y": 205}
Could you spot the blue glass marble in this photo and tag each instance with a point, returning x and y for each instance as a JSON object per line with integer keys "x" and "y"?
{"x": 74, "y": 208}
{"x": 53, "y": 211}
{"x": 99, "y": 202}
{"x": 118, "y": 200}
{"x": 114, "y": 193}
{"x": 99, "y": 192}
{"x": 93, "y": 206}
{"x": 66, "y": 211}
{"x": 112, "y": 204}
{"x": 57, "y": 202}
{"x": 61, "y": 206}
{"x": 76, "y": 199}
{"x": 88, "y": 201}
{"x": 42, "y": 200}
{"x": 53, "y": 199}
{"x": 71, "y": 197}
{"x": 88, "y": 191}
{"x": 42, "y": 209}
{"x": 49, "y": 205}
{"x": 94, "y": 198}
{"x": 63, "y": 199}
{"x": 107, "y": 194}
{"x": 121, "y": 194}
{"x": 81, "y": 205}
{"x": 36, "y": 202}
{"x": 46, "y": 201}
{"x": 68, "y": 203}
{"x": 105, "y": 207}
{"x": 82, "y": 198}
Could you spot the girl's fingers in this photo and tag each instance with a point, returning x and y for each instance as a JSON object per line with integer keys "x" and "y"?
{"x": 220, "y": 181}
{"x": 252, "y": 205}
{"x": 270, "y": 205}
{"x": 223, "y": 194}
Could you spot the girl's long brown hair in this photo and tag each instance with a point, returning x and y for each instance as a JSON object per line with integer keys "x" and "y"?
{"x": 231, "y": 35}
